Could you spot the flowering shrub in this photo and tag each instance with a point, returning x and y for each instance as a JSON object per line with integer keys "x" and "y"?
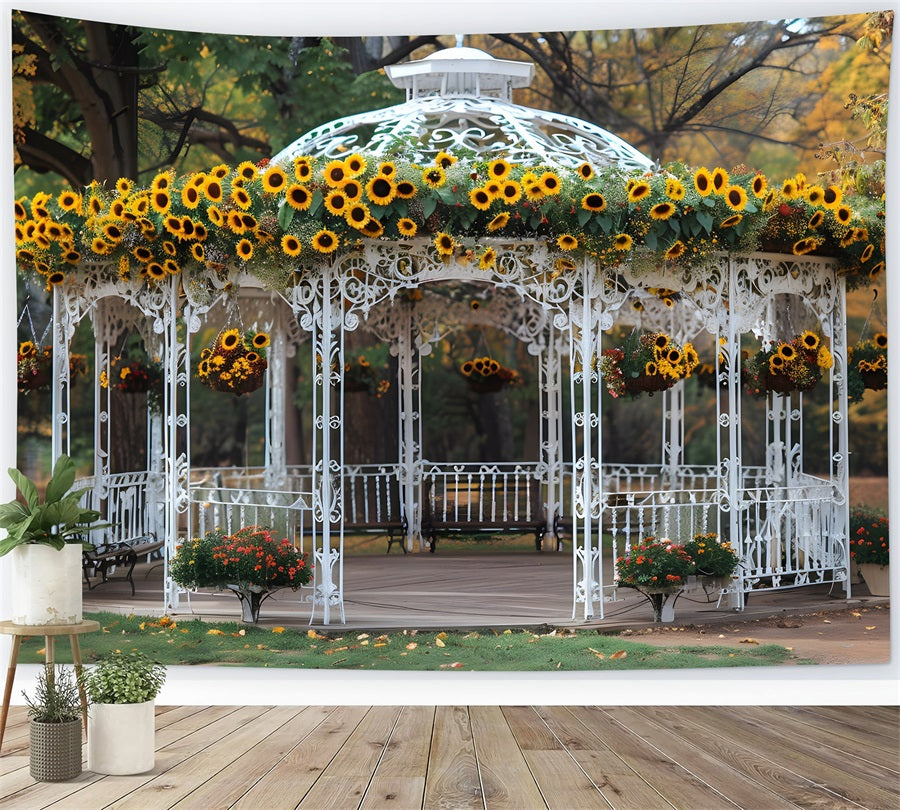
{"x": 794, "y": 365}
{"x": 34, "y": 366}
{"x": 654, "y": 564}
{"x": 487, "y": 374}
{"x": 260, "y": 218}
{"x": 867, "y": 366}
{"x": 251, "y": 557}
{"x": 235, "y": 363}
{"x": 712, "y": 557}
{"x": 651, "y": 361}
{"x": 869, "y": 542}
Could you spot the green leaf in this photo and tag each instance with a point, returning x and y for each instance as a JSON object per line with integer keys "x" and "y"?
{"x": 705, "y": 220}
{"x": 25, "y": 486}
{"x": 583, "y": 216}
{"x": 650, "y": 240}
{"x": 285, "y": 216}
{"x": 675, "y": 225}
{"x": 62, "y": 479}
{"x": 709, "y": 202}
{"x": 428, "y": 206}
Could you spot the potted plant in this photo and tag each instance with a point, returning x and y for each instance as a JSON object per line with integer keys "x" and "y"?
{"x": 45, "y": 539}
{"x": 714, "y": 560}
{"x": 122, "y": 688}
{"x": 252, "y": 563}
{"x": 649, "y": 362}
{"x": 55, "y": 717}
{"x": 791, "y": 365}
{"x": 870, "y": 548}
{"x": 867, "y": 367}
{"x": 658, "y": 569}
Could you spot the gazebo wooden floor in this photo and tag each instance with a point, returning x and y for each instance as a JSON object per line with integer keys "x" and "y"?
{"x": 492, "y": 757}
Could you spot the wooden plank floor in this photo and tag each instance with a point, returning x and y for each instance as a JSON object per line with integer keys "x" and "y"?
{"x": 514, "y": 757}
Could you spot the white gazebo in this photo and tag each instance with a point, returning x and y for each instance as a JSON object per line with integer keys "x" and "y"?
{"x": 789, "y": 525}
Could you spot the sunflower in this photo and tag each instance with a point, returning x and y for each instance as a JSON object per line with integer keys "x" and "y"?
{"x": 776, "y": 364}
{"x": 786, "y": 351}
{"x": 406, "y": 227}
{"x": 622, "y": 241}
{"x": 67, "y": 200}
{"x": 585, "y": 170}
{"x": 804, "y": 246}
{"x": 810, "y": 340}
{"x": 190, "y": 196}
{"x": 719, "y": 180}
{"x": 357, "y": 215}
{"x": 662, "y": 210}
{"x": 567, "y": 242}
{"x": 832, "y": 196}
{"x": 55, "y": 278}
{"x": 673, "y": 356}
{"x": 172, "y": 224}
{"x": 336, "y": 202}
{"x": 27, "y": 349}
{"x": 703, "y": 181}
{"x": 373, "y": 228}
{"x": 240, "y": 198}
{"x": 868, "y": 250}
{"x": 355, "y": 164}
{"x": 161, "y": 182}
{"x": 160, "y": 201}
{"x": 335, "y": 173}
{"x": 100, "y": 247}
{"x": 274, "y": 180}
{"x": 171, "y": 267}
{"x": 380, "y": 190}
{"x": 638, "y": 191}
{"x": 187, "y": 227}
{"x": 676, "y": 250}
{"x": 650, "y": 368}
{"x": 112, "y": 232}
{"x": 290, "y": 245}
{"x": 880, "y": 340}
{"x": 731, "y": 221}
{"x": 759, "y": 185}
{"x": 444, "y": 244}
{"x": 215, "y": 216}
{"x": 876, "y": 270}
{"x": 674, "y": 189}
{"x": 118, "y": 209}
{"x": 154, "y": 271}
{"x": 444, "y": 159}
{"x": 260, "y": 340}
{"x": 499, "y": 169}
{"x": 434, "y": 177}
{"x": 510, "y": 192}
{"x": 661, "y": 341}
{"x": 405, "y": 190}
{"x": 816, "y": 219}
{"x": 498, "y": 222}
{"x": 487, "y": 259}
{"x": 244, "y": 249}
{"x": 824, "y": 358}
{"x": 303, "y": 167}
{"x": 789, "y": 189}
{"x": 843, "y": 214}
{"x": 815, "y": 195}
{"x": 169, "y": 248}
{"x": 229, "y": 340}
{"x": 593, "y": 202}
{"x": 353, "y": 190}
{"x": 534, "y": 191}
{"x": 71, "y": 257}
{"x": 550, "y": 183}
{"x": 480, "y": 198}
{"x": 298, "y": 197}
{"x": 325, "y": 241}
{"x": 387, "y": 168}
{"x": 735, "y": 198}
{"x": 198, "y": 252}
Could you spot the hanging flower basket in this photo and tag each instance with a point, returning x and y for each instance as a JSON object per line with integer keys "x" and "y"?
{"x": 867, "y": 367}
{"x": 485, "y": 375}
{"x": 34, "y": 367}
{"x": 235, "y": 363}
{"x": 794, "y": 365}
{"x": 646, "y": 363}
{"x": 368, "y": 372}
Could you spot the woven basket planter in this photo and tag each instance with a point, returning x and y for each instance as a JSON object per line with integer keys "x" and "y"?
{"x": 55, "y": 750}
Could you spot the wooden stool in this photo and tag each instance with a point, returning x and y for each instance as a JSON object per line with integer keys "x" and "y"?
{"x": 49, "y": 632}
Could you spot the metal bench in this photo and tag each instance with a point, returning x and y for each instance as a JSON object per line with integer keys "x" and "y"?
{"x": 101, "y": 561}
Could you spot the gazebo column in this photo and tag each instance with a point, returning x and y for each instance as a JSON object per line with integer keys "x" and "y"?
{"x": 328, "y": 449}
{"x": 673, "y": 435}
{"x": 409, "y": 450}
{"x": 549, "y": 370}
{"x": 840, "y": 443}
{"x": 276, "y": 405}
{"x": 62, "y": 331}
{"x": 587, "y": 485}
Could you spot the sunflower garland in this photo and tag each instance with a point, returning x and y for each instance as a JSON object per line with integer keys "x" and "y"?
{"x": 235, "y": 363}
{"x": 257, "y": 218}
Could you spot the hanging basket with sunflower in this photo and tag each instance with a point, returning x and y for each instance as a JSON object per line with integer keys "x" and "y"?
{"x": 867, "y": 367}
{"x": 794, "y": 365}
{"x": 368, "y": 372}
{"x": 34, "y": 367}
{"x": 647, "y": 362}
{"x": 235, "y": 363}
{"x": 485, "y": 375}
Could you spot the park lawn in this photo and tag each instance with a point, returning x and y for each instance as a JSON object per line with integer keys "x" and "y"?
{"x": 174, "y": 641}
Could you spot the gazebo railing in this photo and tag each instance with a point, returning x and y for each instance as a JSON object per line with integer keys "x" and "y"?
{"x": 125, "y": 500}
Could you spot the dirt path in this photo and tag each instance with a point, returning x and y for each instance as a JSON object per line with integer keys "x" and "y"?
{"x": 859, "y": 635}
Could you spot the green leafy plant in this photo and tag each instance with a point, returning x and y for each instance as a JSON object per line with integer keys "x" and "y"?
{"x": 124, "y": 678}
{"x": 56, "y": 697}
{"x": 653, "y": 564}
{"x": 869, "y": 540}
{"x": 55, "y": 521}
{"x": 712, "y": 557}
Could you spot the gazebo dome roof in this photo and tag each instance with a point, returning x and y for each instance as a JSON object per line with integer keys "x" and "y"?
{"x": 460, "y": 98}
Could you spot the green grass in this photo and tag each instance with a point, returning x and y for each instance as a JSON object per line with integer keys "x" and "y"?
{"x": 233, "y": 643}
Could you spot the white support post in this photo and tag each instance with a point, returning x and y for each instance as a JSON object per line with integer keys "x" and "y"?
{"x": 62, "y": 333}
{"x": 276, "y": 405}
{"x": 840, "y": 455}
{"x": 410, "y": 448}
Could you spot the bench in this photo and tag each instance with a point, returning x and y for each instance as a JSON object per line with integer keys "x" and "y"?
{"x": 487, "y": 505}
{"x": 101, "y": 561}
{"x": 373, "y": 504}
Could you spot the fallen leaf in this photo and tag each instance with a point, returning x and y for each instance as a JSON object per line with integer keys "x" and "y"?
{"x": 364, "y": 642}
{"x": 143, "y": 625}
{"x": 559, "y": 664}
{"x": 340, "y": 649}
{"x": 473, "y": 634}
{"x": 379, "y": 644}
{"x": 827, "y": 621}
{"x": 854, "y": 613}
{"x": 439, "y": 643}
{"x": 597, "y": 653}
{"x": 412, "y": 645}
{"x": 361, "y": 636}
{"x": 214, "y": 632}
{"x": 748, "y": 641}
{"x": 382, "y": 638}
{"x": 456, "y": 665}
{"x": 619, "y": 654}
{"x": 721, "y": 635}
{"x": 507, "y": 632}
{"x": 314, "y": 634}
{"x": 260, "y": 646}
{"x": 277, "y": 629}
{"x": 872, "y": 627}
{"x": 442, "y": 635}
{"x": 242, "y": 632}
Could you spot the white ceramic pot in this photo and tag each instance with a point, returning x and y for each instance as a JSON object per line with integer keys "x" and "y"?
{"x": 120, "y": 738}
{"x": 46, "y": 584}
{"x": 877, "y": 577}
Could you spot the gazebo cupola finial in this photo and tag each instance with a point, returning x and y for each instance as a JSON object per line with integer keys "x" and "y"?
{"x": 461, "y": 71}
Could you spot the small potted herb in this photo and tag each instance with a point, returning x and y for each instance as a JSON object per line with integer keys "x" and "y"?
{"x": 122, "y": 688}
{"x": 55, "y": 717}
